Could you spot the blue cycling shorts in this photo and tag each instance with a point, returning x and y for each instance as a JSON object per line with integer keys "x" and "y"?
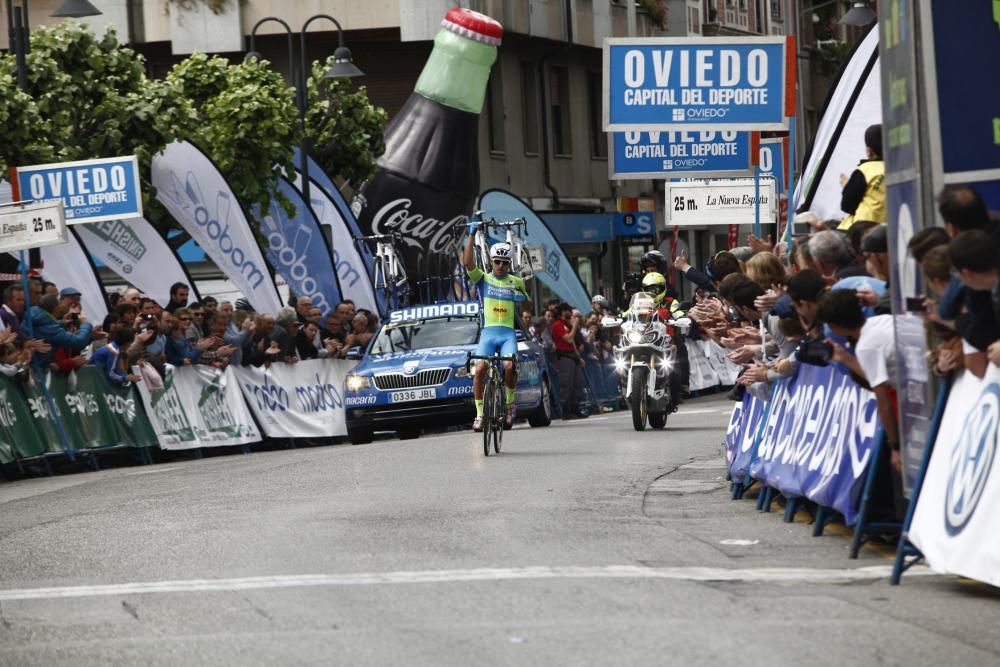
{"x": 497, "y": 338}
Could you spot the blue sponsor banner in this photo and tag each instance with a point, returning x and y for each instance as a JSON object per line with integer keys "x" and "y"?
{"x": 298, "y": 252}
{"x": 818, "y": 439}
{"x": 772, "y": 162}
{"x": 743, "y": 427}
{"x": 638, "y": 223}
{"x": 669, "y": 83}
{"x": 659, "y": 154}
{"x": 90, "y": 190}
{"x": 966, "y": 37}
{"x": 579, "y": 227}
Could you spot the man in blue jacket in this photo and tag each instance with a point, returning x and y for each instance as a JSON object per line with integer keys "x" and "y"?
{"x": 45, "y": 325}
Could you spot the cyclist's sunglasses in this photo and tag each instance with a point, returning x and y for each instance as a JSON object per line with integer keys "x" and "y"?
{"x": 501, "y": 262}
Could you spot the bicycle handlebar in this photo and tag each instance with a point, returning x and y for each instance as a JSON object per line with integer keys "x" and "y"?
{"x": 470, "y": 357}
{"x": 391, "y": 236}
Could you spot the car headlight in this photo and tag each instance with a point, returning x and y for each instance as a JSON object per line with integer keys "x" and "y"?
{"x": 357, "y": 382}
{"x": 462, "y": 372}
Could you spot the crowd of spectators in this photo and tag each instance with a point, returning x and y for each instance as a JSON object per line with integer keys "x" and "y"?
{"x": 55, "y": 334}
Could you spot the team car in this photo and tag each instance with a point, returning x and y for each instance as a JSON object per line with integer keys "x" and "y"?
{"x": 414, "y": 373}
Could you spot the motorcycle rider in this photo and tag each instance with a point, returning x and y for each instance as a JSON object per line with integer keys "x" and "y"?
{"x": 669, "y": 309}
{"x": 654, "y": 262}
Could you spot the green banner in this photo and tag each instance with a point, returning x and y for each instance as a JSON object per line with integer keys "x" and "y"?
{"x": 98, "y": 413}
{"x": 19, "y": 436}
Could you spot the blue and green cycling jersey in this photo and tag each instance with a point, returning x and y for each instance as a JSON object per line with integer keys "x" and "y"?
{"x": 498, "y": 296}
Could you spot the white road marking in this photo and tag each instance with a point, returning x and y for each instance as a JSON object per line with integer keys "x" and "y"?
{"x": 739, "y": 543}
{"x": 152, "y": 471}
{"x": 705, "y": 411}
{"x": 753, "y": 575}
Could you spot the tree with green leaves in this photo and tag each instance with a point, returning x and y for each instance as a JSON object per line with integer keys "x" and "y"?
{"x": 89, "y": 97}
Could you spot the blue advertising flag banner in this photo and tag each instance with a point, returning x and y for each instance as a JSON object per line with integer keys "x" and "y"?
{"x": 740, "y": 434}
{"x": 966, "y": 108}
{"x": 559, "y": 275}
{"x": 638, "y": 223}
{"x": 297, "y": 249}
{"x": 657, "y": 154}
{"x": 695, "y": 84}
{"x": 90, "y": 190}
{"x": 818, "y": 439}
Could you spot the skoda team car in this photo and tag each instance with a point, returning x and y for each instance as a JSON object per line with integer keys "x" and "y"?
{"x": 413, "y": 374}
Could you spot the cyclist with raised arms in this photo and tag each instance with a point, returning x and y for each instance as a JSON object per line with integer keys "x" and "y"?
{"x": 498, "y": 293}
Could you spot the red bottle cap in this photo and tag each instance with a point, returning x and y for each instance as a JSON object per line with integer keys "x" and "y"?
{"x": 473, "y": 25}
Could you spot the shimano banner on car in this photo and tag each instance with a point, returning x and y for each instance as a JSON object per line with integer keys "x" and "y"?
{"x": 302, "y": 400}
{"x": 134, "y": 250}
{"x": 954, "y": 525}
{"x": 559, "y": 275}
{"x": 818, "y": 439}
{"x": 190, "y": 186}
{"x": 298, "y": 250}
{"x": 198, "y": 406}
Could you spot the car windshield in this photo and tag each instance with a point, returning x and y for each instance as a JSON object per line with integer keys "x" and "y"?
{"x": 423, "y": 334}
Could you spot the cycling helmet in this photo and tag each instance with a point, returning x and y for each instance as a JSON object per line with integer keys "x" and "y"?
{"x": 655, "y": 260}
{"x": 655, "y": 284}
{"x": 500, "y": 251}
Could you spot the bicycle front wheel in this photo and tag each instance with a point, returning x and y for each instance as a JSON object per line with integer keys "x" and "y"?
{"x": 488, "y": 418}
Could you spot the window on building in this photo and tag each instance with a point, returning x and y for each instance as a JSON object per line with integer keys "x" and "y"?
{"x": 494, "y": 107}
{"x": 758, "y": 7}
{"x": 598, "y": 139}
{"x": 529, "y": 107}
{"x": 743, "y": 5}
{"x": 559, "y": 103}
{"x": 694, "y": 20}
{"x": 776, "y": 9}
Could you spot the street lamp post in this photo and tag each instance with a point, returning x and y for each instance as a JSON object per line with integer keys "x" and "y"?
{"x": 17, "y": 29}
{"x": 342, "y": 68}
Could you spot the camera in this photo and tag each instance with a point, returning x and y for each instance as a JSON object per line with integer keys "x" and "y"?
{"x": 814, "y": 351}
{"x": 915, "y": 304}
{"x": 633, "y": 282}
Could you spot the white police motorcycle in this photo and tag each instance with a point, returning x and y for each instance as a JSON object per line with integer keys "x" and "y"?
{"x": 645, "y": 360}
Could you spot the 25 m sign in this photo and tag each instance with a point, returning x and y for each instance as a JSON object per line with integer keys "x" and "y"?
{"x": 698, "y": 84}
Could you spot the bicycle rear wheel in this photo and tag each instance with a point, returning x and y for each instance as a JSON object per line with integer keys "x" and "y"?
{"x": 500, "y": 413}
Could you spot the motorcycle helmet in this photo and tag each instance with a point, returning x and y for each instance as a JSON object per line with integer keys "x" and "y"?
{"x": 655, "y": 284}
{"x": 654, "y": 260}
{"x": 500, "y": 251}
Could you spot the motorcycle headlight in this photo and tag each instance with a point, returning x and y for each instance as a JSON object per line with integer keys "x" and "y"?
{"x": 619, "y": 365}
{"x": 635, "y": 337}
{"x": 357, "y": 382}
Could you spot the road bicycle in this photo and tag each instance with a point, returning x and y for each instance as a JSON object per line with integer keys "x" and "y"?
{"x": 520, "y": 262}
{"x": 494, "y": 403}
{"x": 388, "y": 273}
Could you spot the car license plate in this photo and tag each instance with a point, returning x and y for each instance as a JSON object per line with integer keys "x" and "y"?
{"x": 412, "y": 395}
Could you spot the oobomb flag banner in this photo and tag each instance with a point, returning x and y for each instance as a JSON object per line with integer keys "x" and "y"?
{"x": 191, "y": 187}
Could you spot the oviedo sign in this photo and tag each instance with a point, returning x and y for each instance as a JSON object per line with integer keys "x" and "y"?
{"x": 655, "y": 154}
{"x": 681, "y": 83}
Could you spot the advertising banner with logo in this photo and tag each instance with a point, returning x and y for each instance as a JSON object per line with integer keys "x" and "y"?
{"x": 134, "y": 250}
{"x": 740, "y": 83}
{"x": 90, "y": 190}
{"x": 744, "y": 425}
{"x": 199, "y": 406}
{"x": 298, "y": 251}
{"x": 657, "y": 154}
{"x": 638, "y": 223}
{"x": 20, "y": 436}
{"x": 954, "y": 524}
{"x": 301, "y": 400}
{"x": 352, "y": 269}
{"x": 96, "y": 413}
{"x": 190, "y": 186}
{"x": 732, "y": 202}
{"x": 818, "y": 439}
{"x": 854, "y": 103}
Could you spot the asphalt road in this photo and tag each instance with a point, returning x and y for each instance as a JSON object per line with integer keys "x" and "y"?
{"x": 582, "y": 543}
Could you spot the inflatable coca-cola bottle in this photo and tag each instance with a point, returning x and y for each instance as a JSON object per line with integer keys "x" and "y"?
{"x": 428, "y": 178}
